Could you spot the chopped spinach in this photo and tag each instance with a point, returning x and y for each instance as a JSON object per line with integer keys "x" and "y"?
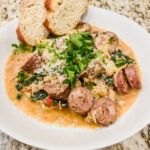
{"x": 24, "y": 80}
{"x": 21, "y": 76}
{"x": 19, "y": 87}
{"x": 41, "y": 95}
{"x": 121, "y": 59}
{"x": 108, "y": 79}
{"x": 19, "y": 96}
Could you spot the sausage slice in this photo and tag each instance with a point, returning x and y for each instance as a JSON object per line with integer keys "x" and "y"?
{"x": 56, "y": 89}
{"x": 132, "y": 77}
{"x": 32, "y": 64}
{"x": 106, "y": 40}
{"x": 104, "y": 111}
{"x": 80, "y": 100}
{"x": 121, "y": 83}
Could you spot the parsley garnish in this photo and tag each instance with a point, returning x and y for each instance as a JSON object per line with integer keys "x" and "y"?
{"x": 79, "y": 52}
{"x": 22, "y": 48}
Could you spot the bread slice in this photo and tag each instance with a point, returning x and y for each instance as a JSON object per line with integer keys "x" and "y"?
{"x": 64, "y": 15}
{"x": 32, "y": 15}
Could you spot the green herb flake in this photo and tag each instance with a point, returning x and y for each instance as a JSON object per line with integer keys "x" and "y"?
{"x": 53, "y": 61}
{"x": 54, "y": 102}
{"x": 19, "y": 96}
{"x": 112, "y": 39}
{"x": 32, "y": 49}
{"x": 53, "y": 43}
{"x": 97, "y": 54}
{"x": 20, "y": 48}
{"x": 103, "y": 60}
{"x": 76, "y": 39}
{"x": 41, "y": 95}
{"x": 108, "y": 79}
{"x": 18, "y": 87}
{"x": 40, "y": 51}
{"x": 21, "y": 76}
{"x": 66, "y": 81}
{"x": 90, "y": 85}
{"x": 121, "y": 63}
{"x": 121, "y": 59}
{"x": 60, "y": 86}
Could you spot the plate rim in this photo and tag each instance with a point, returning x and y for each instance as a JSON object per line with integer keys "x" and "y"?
{"x": 125, "y": 137}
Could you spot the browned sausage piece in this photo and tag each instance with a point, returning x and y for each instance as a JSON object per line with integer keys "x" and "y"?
{"x": 121, "y": 83}
{"x": 93, "y": 70}
{"x": 132, "y": 77}
{"x": 80, "y": 100}
{"x": 56, "y": 89}
{"x": 105, "y": 111}
{"x": 107, "y": 40}
{"x": 82, "y": 26}
{"x": 32, "y": 64}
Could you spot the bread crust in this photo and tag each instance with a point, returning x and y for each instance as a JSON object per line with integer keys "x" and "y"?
{"x": 50, "y": 7}
{"x": 19, "y": 35}
{"x": 46, "y": 24}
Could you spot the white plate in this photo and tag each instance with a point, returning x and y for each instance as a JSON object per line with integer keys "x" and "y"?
{"x": 16, "y": 124}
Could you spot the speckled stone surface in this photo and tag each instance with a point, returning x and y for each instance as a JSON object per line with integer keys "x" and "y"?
{"x": 139, "y": 11}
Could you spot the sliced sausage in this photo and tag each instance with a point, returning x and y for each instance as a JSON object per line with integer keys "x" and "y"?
{"x": 80, "y": 100}
{"x": 106, "y": 40}
{"x": 56, "y": 89}
{"x": 132, "y": 77}
{"x": 82, "y": 26}
{"x": 121, "y": 83}
{"x": 32, "y": 64}
{"x": 104, "y": 112}
{"x": 93, "y": 70}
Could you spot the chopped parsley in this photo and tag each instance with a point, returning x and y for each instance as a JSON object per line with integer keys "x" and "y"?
{"x": 32, "y": 49}
{"x": 79, "y": 52}
{"x": 121, "y": 59}
{"x": 53, "y": 60}
{"x": 103, "y": 60}
{"x": 22, "y": 48}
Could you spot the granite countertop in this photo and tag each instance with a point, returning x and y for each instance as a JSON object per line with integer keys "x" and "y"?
{"x": 139, "y": 11}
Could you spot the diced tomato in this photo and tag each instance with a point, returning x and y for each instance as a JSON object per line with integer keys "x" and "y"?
{"x": 48, "y": 101}
{"x": 58, "y": 105}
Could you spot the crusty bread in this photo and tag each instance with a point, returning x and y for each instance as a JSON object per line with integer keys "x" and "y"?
{"x": 64, "y": 15}
{"x": 32, "y": 16}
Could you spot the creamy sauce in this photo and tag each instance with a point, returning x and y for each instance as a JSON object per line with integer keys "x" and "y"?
{"x": 59, "y": 117}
